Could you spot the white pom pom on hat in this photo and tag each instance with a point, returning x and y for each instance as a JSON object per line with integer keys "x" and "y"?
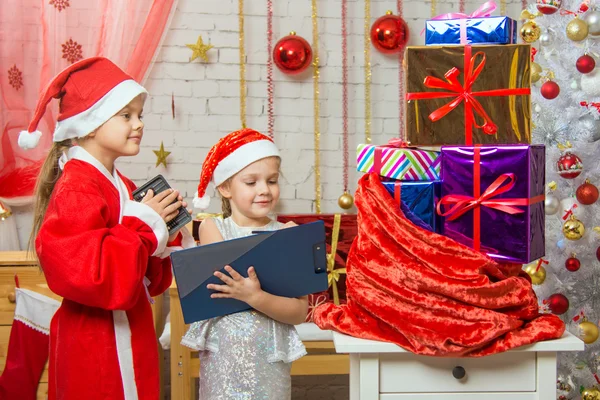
{"x": 91, "y": 92}
{"x": 229, "y": 156}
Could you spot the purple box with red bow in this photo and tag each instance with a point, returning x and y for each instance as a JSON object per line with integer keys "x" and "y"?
{"x": 493, "y": 199}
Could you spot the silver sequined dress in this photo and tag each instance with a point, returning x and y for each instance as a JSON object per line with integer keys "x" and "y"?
{"x": 247, "y": 355}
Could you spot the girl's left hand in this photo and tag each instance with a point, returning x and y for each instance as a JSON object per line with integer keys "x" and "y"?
{"x": 236, "y": 286}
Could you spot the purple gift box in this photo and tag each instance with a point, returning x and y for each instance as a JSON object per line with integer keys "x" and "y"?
{"x": 493, "y": 199}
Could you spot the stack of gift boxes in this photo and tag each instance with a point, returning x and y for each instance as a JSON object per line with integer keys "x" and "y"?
{"x": 467, "y": 169}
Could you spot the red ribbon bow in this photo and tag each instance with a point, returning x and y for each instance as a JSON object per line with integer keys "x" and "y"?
{"x": 464, "y": 93}
{"x": 462, "y": 203}
{"x": 586, "y": 104}
{"x": 569, "y": 212}
{"x": 540, "y": 262}
{"x": 399, "y": 143}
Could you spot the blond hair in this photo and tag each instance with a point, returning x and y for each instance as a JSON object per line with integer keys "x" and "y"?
{"x": 49, "y": 174}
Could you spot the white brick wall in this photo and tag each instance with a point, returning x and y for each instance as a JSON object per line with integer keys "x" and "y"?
{"x": 207, "y": 94}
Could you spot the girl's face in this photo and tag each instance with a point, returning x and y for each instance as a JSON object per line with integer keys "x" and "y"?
{"x": 119, "y": 136}
{"x": 254, "y": 191}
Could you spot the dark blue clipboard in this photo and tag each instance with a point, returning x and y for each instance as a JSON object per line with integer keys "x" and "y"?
{"x": 290, "y": 262}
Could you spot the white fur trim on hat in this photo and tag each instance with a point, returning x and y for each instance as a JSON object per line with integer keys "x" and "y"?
{"x": 29, "y": 140}
{"x": 84, "y": 123}
{"x": 242, "y": 157}
{"x": 201, "y": 203}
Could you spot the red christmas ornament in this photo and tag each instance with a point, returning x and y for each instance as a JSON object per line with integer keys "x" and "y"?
{"x": 585, "y": 64}
{"x": 569, "y": 165}
{"x": 548, "y": 6}
{"x": 550, "y": 90}
{"x": 587, "y": 193}
{"x": 598, "y": 253}
{"x": 389, "y": 34}
{"x": 292, "y": 54}
{"x": 572, "y": 264}
{"x": 558, "y": 304}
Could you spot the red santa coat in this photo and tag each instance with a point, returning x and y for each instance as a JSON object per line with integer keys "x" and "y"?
{"x": 100, "y": 251}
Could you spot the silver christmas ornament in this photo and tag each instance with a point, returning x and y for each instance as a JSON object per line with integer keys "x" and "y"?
{"x": 547, "y": 38}
{"x": 551, "y": 204}
{"x": 593, "y": 20}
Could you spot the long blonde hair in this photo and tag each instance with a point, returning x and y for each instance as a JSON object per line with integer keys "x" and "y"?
{"x": 49, "y": 174}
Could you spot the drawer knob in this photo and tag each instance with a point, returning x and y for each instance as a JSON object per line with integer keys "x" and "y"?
{"x": 11, "y": 297}
{"x": 459, "y": 372}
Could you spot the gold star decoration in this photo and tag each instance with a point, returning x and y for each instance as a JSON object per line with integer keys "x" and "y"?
{"x": 161, "y": 155}
{"x": 199, "y": 49}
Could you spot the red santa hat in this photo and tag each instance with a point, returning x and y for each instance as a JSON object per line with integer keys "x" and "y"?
{"x": 91, "y": 91}
{"x": 229, "y": 156}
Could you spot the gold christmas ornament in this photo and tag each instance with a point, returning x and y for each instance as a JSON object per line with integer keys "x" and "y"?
{"x": 161, "y": 155}
{"x": 530, "y": 32}
{"x": 589, "y": 331}
{"x": 537, "y": 277}
{"x": 573, "y": 229}
{"x": 536, "y": 72}
{"x": 199, "y": 49}
{"x": 590, "y": 394}
{"x": 346, "y": 201}
{"x": 577, "y": 30}
{"x": 4, "y": 212}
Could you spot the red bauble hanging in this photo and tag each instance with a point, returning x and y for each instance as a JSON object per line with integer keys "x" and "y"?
{"x": 572, "y": 264}
{"x": 550, "y": 90}
{"x": 389, "y": 34}
{"x": 585, "y": 64}
{"x": 569, "y": 165}
{"x": 587, "y": 193}
{"x": 548, "y": 6}
{"x": 598, "y": 253}
{"x": 558, "y": 304}
{"x": 292, "y": 54}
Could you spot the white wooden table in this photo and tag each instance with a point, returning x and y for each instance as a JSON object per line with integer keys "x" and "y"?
{"x": 385, "y": 371}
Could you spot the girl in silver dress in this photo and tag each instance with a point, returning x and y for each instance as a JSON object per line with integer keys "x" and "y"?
{"x": 247, "y": 355}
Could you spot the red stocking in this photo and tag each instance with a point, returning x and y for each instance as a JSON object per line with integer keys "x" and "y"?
{"x": 28, "y": 345}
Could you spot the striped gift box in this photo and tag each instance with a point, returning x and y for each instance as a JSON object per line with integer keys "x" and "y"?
{"x": 408, "y": 164}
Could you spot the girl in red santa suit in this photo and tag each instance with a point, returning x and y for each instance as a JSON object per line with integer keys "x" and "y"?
{"x": 101, "y": 251}
{"x": 245, "y": 355}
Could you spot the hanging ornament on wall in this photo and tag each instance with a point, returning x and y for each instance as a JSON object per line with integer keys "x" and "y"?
{"x": 536, "y": 271}
{"x": 292, "y": 54}
{"x": 550, "y": 90}
{"x": 551, "y": 202}
{"x": 557, "y": 303}
{"x": 592, "y": 18}
{"x": 389, "y": 33}
{"x": 588, "y": 331}
{"x": 569, "y": 165}
{"x": 345, "y": 201}
{"x": 161, "y": 155}
{"x": 577, "y": 29}
{"x": 199, "y": 49}
{"x": 585, "y": 64}
{"x": 572, "y": 263}
{"x": 573, "y": 228}
{"x": 548, "y": 6}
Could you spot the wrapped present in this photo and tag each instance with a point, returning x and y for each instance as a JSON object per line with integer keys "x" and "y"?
{"x": 398, "y": 161}
{"x": 340, "y": 231}
{"x": 417, "y": 201}
{"x": 493, "y": 199}
{"x": 486, "y": 30}
{"x": 475, "y": 28}
{"x": 468, "y": 94}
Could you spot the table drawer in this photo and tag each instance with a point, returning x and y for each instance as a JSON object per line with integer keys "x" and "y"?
{"x": 408, "y": 373}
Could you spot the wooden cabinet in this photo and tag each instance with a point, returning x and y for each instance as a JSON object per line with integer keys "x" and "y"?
{"x": 31, "y": 277}
{"x": 385, "y": 371}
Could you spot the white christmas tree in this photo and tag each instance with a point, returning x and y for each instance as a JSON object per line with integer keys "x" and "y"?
{"x": 568, "y": 124}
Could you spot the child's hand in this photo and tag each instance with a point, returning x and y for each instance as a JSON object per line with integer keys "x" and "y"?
{"x": 236, "y": 286}
{"x": 289, "y": 224}
{"x": 161, "y": 203}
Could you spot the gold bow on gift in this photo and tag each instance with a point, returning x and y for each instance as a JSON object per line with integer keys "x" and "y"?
{"x": 333, "y": 275}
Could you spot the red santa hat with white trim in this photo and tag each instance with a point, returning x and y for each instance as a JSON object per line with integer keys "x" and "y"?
{"x": 91, "y": 92}
{"x": 229, "y": 156}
